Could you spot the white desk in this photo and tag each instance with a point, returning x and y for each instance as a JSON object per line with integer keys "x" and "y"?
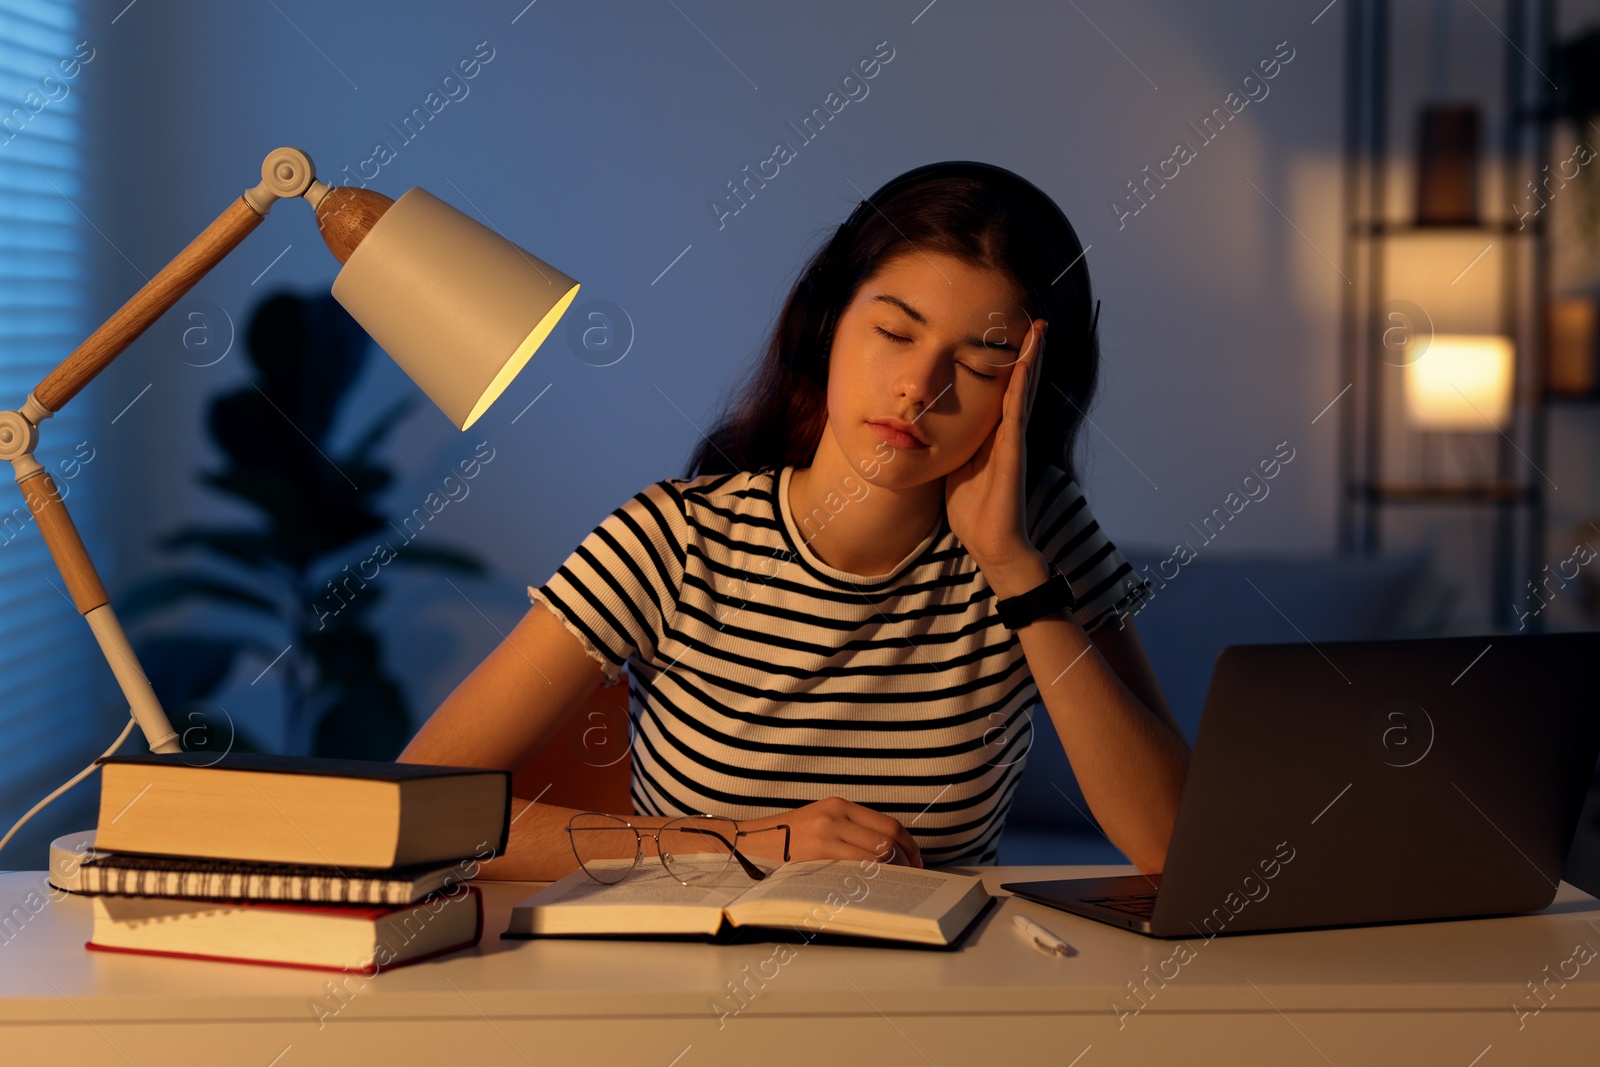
{"x": 1411, "y": 994}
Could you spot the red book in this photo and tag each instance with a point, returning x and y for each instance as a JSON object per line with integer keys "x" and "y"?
{"x": 360, "y": 940}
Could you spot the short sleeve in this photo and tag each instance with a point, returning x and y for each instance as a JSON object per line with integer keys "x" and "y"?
{"x": 618, "y": 591}
{"x": 1104, "y": 585}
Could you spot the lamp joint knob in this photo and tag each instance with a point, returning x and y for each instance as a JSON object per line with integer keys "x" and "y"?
{"x": 18, "y": 436}
{"x": 286, "y": 172}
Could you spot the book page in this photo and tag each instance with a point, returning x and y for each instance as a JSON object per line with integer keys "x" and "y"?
{"x": 650, "y": 900}
{"x": 890, "y": 889}
{"x": 845, "y": 897}
{"x": 650, "y": 885}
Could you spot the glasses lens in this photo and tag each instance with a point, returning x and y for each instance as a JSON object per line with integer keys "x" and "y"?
{"x": 698, "y": 848}
{"x": 606, "y": 846}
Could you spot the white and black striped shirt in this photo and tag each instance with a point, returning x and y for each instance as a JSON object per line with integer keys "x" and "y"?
{"x": 762, "y": 679}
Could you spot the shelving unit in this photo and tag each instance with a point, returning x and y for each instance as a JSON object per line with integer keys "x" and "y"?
{"x": 1516, "y": 490}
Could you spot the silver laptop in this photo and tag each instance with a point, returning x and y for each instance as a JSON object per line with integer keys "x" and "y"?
{"x": 1360, "y": 782}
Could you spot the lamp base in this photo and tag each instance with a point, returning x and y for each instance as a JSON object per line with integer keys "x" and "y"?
{"x": 67, "y": 854}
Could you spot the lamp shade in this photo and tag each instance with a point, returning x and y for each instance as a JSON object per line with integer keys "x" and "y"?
{"x": 1447, "y": 165}
{"x": 1461, "y": 382}
{"x": 458, "y": 307}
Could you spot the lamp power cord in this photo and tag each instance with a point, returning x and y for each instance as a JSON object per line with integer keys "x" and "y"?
{"x": 70, "y": 782}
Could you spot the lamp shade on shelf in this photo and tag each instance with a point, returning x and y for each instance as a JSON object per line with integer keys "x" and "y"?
{"x": 458, "y": 307}
{"x": 1447, "y": 165}
{"x": 1461, "y": 382}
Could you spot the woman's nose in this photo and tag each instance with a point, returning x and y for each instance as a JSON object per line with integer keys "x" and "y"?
{"x": 923, "y": 381}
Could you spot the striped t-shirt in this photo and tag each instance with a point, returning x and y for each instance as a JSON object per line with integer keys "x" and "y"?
{"x": 762, "y": 679}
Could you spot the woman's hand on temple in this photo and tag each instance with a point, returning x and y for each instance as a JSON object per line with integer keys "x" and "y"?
{"x": 985, "y": 498}
{"x": 832, "y": 829}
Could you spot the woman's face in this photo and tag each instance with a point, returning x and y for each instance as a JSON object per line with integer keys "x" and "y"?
{"x": 931, "y": 341}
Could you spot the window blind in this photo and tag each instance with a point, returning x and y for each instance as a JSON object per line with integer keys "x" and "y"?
{"x": 51, "y": 673}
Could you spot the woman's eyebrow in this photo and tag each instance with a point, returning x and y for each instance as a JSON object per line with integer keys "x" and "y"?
{"x": 921, "y": 320}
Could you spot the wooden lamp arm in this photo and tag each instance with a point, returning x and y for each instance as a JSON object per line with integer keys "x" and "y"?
{"x": 343, "y": 217}
{"x": 89, "y": 597}
{"x": 286, "y": 172}
{"x": 19, "y": 436}
{"x": 158, "y": 294}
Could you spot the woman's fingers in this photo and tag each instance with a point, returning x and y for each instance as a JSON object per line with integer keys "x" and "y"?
{"x": 1025, "y": 378}
{"x": 887, "y": 839}
{"x": 888, "y": 849}
{"x": 855, "y": 842}
{"x": 835, "y": 828}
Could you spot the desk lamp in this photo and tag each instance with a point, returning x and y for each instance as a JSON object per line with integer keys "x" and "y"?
{"x": 458, "y": 307}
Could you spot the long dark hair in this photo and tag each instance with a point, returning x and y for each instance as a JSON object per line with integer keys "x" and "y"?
{"x": 983, "y": 215}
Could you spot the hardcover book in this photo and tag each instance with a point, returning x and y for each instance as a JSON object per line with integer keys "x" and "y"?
{"x": 295, "y": 809}
{"x": 342, "y": 938}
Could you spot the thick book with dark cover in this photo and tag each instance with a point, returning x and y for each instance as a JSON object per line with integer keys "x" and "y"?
{"x": 360, "y": 940}
{"x": 118, "y": 874}
{"x": 301, "y": 809}
{"x": 839, "y": 901}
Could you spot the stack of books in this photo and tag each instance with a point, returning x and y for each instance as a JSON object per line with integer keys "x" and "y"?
{"x": 343, "y": 864}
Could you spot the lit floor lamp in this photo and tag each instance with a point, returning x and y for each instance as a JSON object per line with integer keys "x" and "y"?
{"x": 1463, "y": 385}
{"x": 458, "y": 307}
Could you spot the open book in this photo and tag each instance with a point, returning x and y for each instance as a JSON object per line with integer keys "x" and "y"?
{"x": 839, "y": 898}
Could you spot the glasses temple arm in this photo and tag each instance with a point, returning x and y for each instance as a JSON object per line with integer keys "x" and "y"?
{"x": 756, "y": 873}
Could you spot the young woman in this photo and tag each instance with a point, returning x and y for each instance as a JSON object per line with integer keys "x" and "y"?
{"x": 841, "y": 621}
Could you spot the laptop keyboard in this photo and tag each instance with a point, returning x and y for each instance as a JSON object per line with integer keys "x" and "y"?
{"x": 1139, "y": 904}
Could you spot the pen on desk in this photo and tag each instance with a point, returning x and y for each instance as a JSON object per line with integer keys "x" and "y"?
{"x": 1043, "y": 939}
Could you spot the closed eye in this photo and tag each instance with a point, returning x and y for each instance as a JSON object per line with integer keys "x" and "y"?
{"x": 906, "y": 340}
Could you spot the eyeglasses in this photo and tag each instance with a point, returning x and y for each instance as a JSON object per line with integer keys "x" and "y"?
{"x": 695, "y": 849}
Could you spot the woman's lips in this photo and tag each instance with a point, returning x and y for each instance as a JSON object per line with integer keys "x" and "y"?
{"x": 898, "y": 438}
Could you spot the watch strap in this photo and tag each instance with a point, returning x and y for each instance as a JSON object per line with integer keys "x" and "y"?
{"x": 1048, "y": 596}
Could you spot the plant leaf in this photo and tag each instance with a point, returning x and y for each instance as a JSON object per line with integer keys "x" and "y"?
{"x": 248, "y": 548}
{"x": 451, "y": 559}
{"x": 309, "y": 351}
{"x": 186, "y": 667}
{"x": 269, "y": 490}
{"x": 204, "y": 726}
{"x": 381, "y": 427}
{"x": 168, "y": 589}
{"x": 369, "y": 721}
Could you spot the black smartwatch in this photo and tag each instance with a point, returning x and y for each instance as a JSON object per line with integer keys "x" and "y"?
{"x": 1050, "y": 595}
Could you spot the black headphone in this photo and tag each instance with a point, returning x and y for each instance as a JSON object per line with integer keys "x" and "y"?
{"x": 819, "y": 292}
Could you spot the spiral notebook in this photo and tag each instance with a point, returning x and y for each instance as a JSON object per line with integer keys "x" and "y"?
{"x": 196, "y": 878}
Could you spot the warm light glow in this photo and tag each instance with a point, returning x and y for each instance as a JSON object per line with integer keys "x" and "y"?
{"x": 519, "y": 358}
{"x": 1461, "y": 382}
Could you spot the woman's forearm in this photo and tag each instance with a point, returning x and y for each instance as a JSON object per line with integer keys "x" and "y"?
{"x": 501, "y": 715}
{"x": 1129, "y": 763}
{"x": 539, "y": 849}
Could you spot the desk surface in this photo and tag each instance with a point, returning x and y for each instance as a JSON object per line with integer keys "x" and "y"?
{"x": 1481, "y": 967}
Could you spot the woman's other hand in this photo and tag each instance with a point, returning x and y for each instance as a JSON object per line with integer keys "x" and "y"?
{"x": 832, "y": 829}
